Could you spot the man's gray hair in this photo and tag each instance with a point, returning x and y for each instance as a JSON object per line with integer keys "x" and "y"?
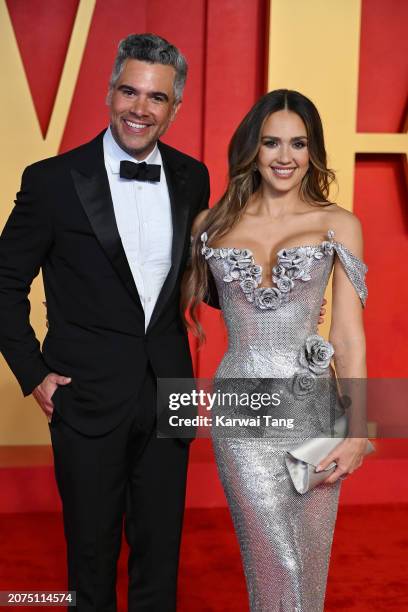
{"x": 154, "y": 50}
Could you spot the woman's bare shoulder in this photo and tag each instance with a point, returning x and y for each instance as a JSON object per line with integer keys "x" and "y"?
{"x": 347, "y": 228}
{"x": 199, "y": 220}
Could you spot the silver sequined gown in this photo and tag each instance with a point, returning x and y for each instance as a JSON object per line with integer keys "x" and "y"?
{"x": 285, "y": 537}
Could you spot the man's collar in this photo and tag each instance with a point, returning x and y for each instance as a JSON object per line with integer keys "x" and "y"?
{"x": 114, "y": 154}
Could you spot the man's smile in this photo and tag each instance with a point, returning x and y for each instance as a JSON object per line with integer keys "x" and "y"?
{"x": 136, "y": 127}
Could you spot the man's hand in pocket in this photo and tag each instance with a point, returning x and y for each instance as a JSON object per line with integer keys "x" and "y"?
{"x": 43, "y": 392}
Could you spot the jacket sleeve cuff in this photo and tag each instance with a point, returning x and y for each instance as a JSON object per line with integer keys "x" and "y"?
{"x": 30, "y": 374}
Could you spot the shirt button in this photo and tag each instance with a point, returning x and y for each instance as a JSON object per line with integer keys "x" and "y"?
{"x": 139, "y": 187}
{"x": 149, "y": 299}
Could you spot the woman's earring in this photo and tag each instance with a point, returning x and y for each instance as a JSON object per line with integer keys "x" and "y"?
{"x": 254, "y": 167}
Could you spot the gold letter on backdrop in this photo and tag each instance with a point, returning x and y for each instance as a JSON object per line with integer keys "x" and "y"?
{"x": 314, "y": 47}
{"x": 23, "y": 422}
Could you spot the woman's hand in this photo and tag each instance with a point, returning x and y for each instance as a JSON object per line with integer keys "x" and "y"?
{"x": 322, "y": 311}
{"x": 348, "y": 455}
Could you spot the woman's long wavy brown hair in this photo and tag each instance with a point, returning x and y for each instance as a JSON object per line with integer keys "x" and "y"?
{"x": 244, "y": 180}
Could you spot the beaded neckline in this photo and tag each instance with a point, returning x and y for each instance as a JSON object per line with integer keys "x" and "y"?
{"x": 293, "y": 264}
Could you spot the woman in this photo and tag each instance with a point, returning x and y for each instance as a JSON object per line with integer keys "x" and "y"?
{"x": 270, "y": 244}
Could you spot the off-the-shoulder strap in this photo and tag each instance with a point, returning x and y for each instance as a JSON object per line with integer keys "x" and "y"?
{"x": 206, "y": 250}
{"x": 354, "y": 267}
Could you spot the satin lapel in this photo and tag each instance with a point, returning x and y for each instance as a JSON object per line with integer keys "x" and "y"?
{"x": 176, "y": 178}
{"x": 93, "y": 190}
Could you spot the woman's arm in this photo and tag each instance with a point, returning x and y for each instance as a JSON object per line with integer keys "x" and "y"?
{"x": 348, "y": 339}
{"x": 347, "y": 331}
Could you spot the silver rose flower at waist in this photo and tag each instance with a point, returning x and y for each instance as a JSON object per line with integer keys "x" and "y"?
{"x": 314, "y": 358}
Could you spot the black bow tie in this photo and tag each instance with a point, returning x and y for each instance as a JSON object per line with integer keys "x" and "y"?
{"x": 140, "y": 172}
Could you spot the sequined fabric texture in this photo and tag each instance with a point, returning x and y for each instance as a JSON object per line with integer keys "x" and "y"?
{"x": 285, "y": 538}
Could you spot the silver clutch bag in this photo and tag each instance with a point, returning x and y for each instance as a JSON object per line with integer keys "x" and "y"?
{"x": 303, "y": 460}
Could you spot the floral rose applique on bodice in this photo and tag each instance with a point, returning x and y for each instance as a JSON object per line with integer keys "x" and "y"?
{"x": 293, "y": 266}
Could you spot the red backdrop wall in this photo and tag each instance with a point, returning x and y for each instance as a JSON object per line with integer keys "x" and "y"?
{"x": 380, "y": 198}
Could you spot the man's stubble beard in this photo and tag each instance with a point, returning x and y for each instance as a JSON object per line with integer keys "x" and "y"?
{"x": 132, "y": 152}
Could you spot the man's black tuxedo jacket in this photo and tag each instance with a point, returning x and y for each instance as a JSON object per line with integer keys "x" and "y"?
{"x": 64, "y": 223}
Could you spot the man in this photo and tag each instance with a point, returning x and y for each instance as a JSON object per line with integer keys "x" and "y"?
{"x": 109, "y": 224}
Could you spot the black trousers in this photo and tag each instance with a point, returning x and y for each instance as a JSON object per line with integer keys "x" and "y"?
{"x": 126, "y": 475}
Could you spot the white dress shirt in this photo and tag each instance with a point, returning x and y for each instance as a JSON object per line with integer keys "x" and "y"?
{"x": 143, "y": 216}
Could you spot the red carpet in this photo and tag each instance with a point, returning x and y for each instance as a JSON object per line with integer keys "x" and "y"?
{"x": 368, "y": 569}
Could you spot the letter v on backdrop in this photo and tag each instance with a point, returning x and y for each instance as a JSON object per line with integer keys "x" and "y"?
{"x": 22, "y": 144}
